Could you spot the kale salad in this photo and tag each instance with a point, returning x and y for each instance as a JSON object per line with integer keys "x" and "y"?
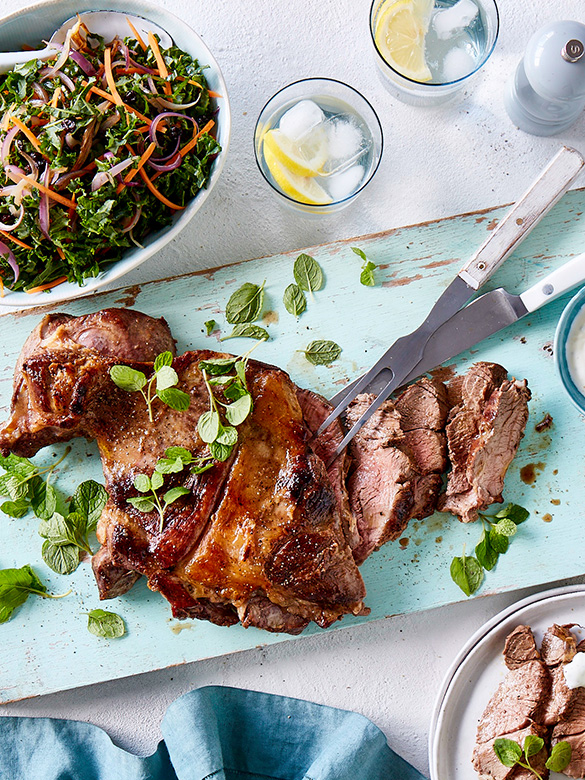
{"x": 99, "y": 146}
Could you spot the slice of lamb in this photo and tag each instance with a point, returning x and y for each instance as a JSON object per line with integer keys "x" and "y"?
{"x": 315, "y": 409}
{"x": 483, "y": 459}
{"x": 560, "y": 702}
{"x": 558, "y": 645}
{"x": 571, "y": 729}
{"x": 489, "y": 767}
{"x": 423, "y": 405}
{"x": 516, "y": 702}
{"x": 520, "y": 647}
{"x": 260, "y": 612}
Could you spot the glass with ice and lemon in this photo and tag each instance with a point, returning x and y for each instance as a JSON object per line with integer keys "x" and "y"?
{"x": 426, "y": 50}
{"x": 318, "y": 142}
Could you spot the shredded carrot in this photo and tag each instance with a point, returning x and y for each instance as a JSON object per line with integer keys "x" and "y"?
{"x": 136, "y": 35}
{"x": 108, "y": 96}
{"x": 56, "y": 96}
{"x": 51, "y": 193}
{"x": 162, "y": 67}
{"x": 61, "y": 253}
{"x": 133, "y": 171}
{"x": 16, "y": 240}
{"x": 24, "y": 129}
{"x": 158, "y": 194}
{"x": 213, "y": 94}
{"x": 129, "y": 71}
{"x": 47, "y": 286}
{"x": 188, "y": 146}
{"x": 143, "y": 129}
{"x": 110, "y": 77}
{"x": 1, "y": 289}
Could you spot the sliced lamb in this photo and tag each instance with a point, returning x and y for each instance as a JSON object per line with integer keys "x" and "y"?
{"x": 483, "y": 435}
{"x": 398, "y": 457}
{"x": 558, "y": 645}
{"x": 520, "y": 647}
{"x": 516, "y": 703}
{"x": 489, "y": 767}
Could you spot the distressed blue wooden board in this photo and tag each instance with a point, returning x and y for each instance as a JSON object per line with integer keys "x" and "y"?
{"x": 45, "y": 647}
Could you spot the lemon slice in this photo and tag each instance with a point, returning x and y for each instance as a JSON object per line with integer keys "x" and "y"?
{"x": 305, "y": 158}
{"x": 301, "y": 188}
{"x": 400, "y": 36}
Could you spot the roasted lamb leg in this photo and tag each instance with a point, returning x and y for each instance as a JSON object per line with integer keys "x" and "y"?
{"x": 259, "y": 538}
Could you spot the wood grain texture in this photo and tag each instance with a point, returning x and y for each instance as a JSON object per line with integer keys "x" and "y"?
{"x": 46, "y": 646}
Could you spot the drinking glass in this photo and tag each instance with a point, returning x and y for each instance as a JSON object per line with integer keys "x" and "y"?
{"x": 333, "y": 134}
{"x": 454, "y": 51}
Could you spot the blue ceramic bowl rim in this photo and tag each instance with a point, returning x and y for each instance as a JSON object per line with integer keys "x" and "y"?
{"x": 570, "y": 313}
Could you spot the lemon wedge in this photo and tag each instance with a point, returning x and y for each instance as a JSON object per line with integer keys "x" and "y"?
{"x": 400, "y": 32}
{"x": 301, "y": 188}
{"x": 304, "y": 158}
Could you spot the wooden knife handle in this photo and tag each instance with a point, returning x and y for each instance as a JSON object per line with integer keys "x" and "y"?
{"x": 537, "y": 201}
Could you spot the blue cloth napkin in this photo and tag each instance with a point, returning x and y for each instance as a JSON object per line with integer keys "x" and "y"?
{"x": 213, "y": 732}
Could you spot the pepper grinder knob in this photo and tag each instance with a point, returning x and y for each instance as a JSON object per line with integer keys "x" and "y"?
{"x": 547, "y": 92}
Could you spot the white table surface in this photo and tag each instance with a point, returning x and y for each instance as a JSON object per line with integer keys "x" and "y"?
{"x": 437, "y": 162}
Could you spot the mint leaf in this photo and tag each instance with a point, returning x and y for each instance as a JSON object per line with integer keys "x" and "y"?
{"x": 498, "y": 542}
{"x": 505, "y": 527}
{"x": 294, "y": 300}
{"x": 237, "y": 412}
{"x": 209, "y": 327}
{"x": 107, "y": 625}
{"x": 61, "y": 558}
{"x": 532, "y": 745}
{"x": 166, "y": 377}
{"x": 175, "y": 399}
{"x": 245, "y": 304}
{"x": 247, "y": 331}
{"x": 485, "y": 553}
{"x": 560, "y": 757}
{"x": 308, "y": 273}
{"x": 517, "y": 514}
{"x": 174, "y": 493}
{"x": 15, "y": 587}
{"x": 162, "y": 360}
{"x": 466, "y": 573}
{"x": 507, "y": 751}
{"x": 89, "y": 500}
{"x": 322, "y": 353}
{"x": 142, "y": 503}
{"x": 127, "y": 378}
{"x": 208, "y": 426}
{"x": 218, "y": 366}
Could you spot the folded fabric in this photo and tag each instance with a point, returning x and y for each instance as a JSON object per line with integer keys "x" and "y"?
{"x": 213, "y": 732}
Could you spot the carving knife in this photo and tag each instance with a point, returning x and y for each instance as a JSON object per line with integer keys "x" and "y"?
{"x": 488, "y": 314}
{"x": 405, "y": 354}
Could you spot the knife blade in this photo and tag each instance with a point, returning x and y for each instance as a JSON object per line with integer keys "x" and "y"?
{"x": 491, "y": 312}
{"x": 405, "y": 354}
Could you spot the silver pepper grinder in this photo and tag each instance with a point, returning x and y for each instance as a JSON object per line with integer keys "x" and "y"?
{"x": 547, "y": 93}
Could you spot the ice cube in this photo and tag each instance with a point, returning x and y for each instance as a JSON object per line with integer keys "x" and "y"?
{"x": 450, "y": 21}
{"x": 457, "y": 63}
{"x": 342, "y": 185}
{"x": 301, "y": 119}
{"x": 345, "y": 139}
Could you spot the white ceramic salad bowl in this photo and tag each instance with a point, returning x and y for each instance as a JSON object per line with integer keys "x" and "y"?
{"x": 36, "y": 23}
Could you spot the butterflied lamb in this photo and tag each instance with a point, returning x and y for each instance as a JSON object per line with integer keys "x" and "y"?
{"x": 258, "y": 538}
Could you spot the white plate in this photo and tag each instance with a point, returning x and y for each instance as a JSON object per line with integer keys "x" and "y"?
{"x": 38, "y": 22}
{"x": 479, "y": 669}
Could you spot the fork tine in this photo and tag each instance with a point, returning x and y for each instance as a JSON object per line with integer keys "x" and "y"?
{"x": 354, "y": 389}
{"x": 373, "y": 407}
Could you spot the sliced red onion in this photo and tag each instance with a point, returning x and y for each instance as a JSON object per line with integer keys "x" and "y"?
{"x": 170, "y": 166}
{"x": 164, "y": 115}
{"x": 104, "y": 176}
{"x": 9, "y": 255}
{"x": 112, "y": 120}
{"x": 152, "y": 85}
{"x": 142, "y": 68}
{"x": 44, "y": 216}
{"x": 64, "y": 56}
{"x": 33, "y": 166}
{"x": 14, "y": 170}
{"x": 108, "y": 155}
{"x": 71, "y": 141}
{"x": 167, "y": 103}
{"x": 3, "y": 226}
{"x": 78, "y": 59}
{"x": 133, "y": 221}
{"x": 7, "y": 143}
{"x": 40, "y": 92}
{"x": 65, "y": 80}
{"x": 64, "y": 180}
{"x": 168, "y": 156}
